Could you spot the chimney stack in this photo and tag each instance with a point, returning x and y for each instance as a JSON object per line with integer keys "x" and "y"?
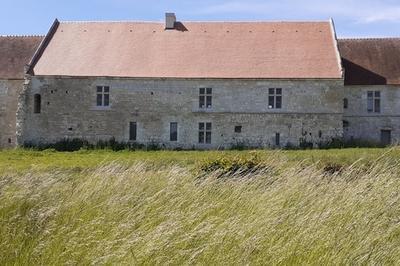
{"x": 170, "y": 20}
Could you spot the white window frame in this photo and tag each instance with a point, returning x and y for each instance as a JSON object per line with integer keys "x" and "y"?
{"x": 374, "y": 101}
{"x": 275, "y": 94}
{"x": 104, "y": 93}
{"x": 205, "y": 98}
{"x": 205, "y": 132}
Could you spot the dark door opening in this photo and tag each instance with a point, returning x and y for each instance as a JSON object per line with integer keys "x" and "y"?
{"x": 386, "y": 137}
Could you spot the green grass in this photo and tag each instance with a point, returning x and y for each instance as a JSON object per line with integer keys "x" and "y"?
{"x": 102, "y": 207}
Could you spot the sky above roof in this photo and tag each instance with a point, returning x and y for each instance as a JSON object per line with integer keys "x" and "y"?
{"x": 353, "y": 18}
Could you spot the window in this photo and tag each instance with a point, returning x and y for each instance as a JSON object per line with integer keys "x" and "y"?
{"x": 37, "y": 102}
{"x": 275, "y": 98}
{"x": 173, "y": 131}
{"x": 345, "y": 103}
{"x": 238, "y": 129}
{"x": 132, "y": 131}
{"x": 205, "y": 133}
{"x": 345, "y": 123}
{"x": 103, "y": 96}
{"x": 374, "y": 101}
{"x": 277, "y": 139}
{"x": 205, "y": 98}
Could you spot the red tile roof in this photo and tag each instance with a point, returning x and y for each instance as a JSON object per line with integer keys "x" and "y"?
{"x": 371, "y": 61}
{"x": 15, "y": 53}
{"x": 193, "y": 50}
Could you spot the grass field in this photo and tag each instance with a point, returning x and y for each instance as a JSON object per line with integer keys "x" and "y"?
{"x": 293, "y": 207}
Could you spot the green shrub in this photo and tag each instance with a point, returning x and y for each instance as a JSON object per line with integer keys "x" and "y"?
{"x": 230, "y": 166}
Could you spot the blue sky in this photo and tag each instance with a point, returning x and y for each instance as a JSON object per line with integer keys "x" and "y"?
{"x": 353, "y": 18}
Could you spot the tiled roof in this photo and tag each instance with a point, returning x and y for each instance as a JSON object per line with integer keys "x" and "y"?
{"x": 371, "y": 61}
{"x": 15, "y": 53}
{"x": 192, "y": 50}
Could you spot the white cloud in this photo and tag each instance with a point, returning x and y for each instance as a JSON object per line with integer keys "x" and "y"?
{"x": 360, "y": 11}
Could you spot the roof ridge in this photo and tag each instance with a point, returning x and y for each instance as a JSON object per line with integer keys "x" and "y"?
{"x": 182, "y": 21}
{"x": 370, "y": 38}
{"x": 21, "y": 36}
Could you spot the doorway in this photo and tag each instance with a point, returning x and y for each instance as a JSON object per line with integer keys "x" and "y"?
{"x": 386, "y": 137}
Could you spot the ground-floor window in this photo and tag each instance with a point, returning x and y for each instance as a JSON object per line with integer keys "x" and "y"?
{"x": 205, "y": 132}
{"x": 173, "y": 131}
{"x": 132, "y": 131}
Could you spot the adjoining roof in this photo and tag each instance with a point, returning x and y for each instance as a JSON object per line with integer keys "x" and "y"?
{"x": 299, "y": 50}
{"x": 371, "y": 61}
{"x": 15, "y": 53}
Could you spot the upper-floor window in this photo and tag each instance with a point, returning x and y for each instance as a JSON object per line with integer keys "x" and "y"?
{"x": 205, "y": 133}
{"x": 205, "y": 98}
{"x": 275, "y": 98}
{"x": 103, "y": 96}
{"x": 37, "y": 103}
{"x": 345, "y": 103}
{"x": 374, "y": 101}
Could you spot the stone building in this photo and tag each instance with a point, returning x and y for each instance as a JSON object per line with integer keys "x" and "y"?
{"x": 15, "y": 53}
{"x": 372, "y": 89}
{"x": 203, "y": 85}
{"x": 185, "y": 84}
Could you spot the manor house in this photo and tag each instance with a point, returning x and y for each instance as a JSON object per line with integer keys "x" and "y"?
{"x": 203, "y": 85}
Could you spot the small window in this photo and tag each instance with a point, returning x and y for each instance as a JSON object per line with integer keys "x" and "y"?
{"x": 345, "y": 103}
{"x": 345, "y": 123}
{"x": 103, "y": 96}
{"x": 205, "y": 133}
{"x": 132, "y": 131}
{"x": 173, "y": 131}
{"x": 238, "y": 129}
{"x": 37, "y": 102}
{"x": 277, "y": 139}
{"x": 374, "y": 101}
{"x": 274, "y": 98}
{"x": 205, "y": 98}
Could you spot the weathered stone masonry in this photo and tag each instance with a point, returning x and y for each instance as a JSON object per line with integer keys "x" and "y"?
{"x": 69, "y": 111}
{"x": 15, "y": 52}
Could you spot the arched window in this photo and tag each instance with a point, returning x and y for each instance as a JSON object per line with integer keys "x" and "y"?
{"x": 37, "y": 102}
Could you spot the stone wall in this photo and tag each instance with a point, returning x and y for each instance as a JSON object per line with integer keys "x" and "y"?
{"x": 311, "y": 110}
{"x": 9, "y": 90}
{"x": 368, "y": 125}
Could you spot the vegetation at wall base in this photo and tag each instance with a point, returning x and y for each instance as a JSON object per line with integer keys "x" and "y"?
{"x": 306, "y": 207}
{"x": 76, "y": 144}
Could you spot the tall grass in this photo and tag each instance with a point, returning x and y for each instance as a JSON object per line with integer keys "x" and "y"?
{"x": 142, "y": 213}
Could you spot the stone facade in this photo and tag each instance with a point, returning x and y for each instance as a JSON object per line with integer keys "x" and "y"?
{"x": 312, "y": 111}
{"x": 9, "y": 91}
{"x": 368, "y": 126}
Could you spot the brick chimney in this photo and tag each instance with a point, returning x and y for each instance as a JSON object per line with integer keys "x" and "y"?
{"x": 170, "y": 20}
